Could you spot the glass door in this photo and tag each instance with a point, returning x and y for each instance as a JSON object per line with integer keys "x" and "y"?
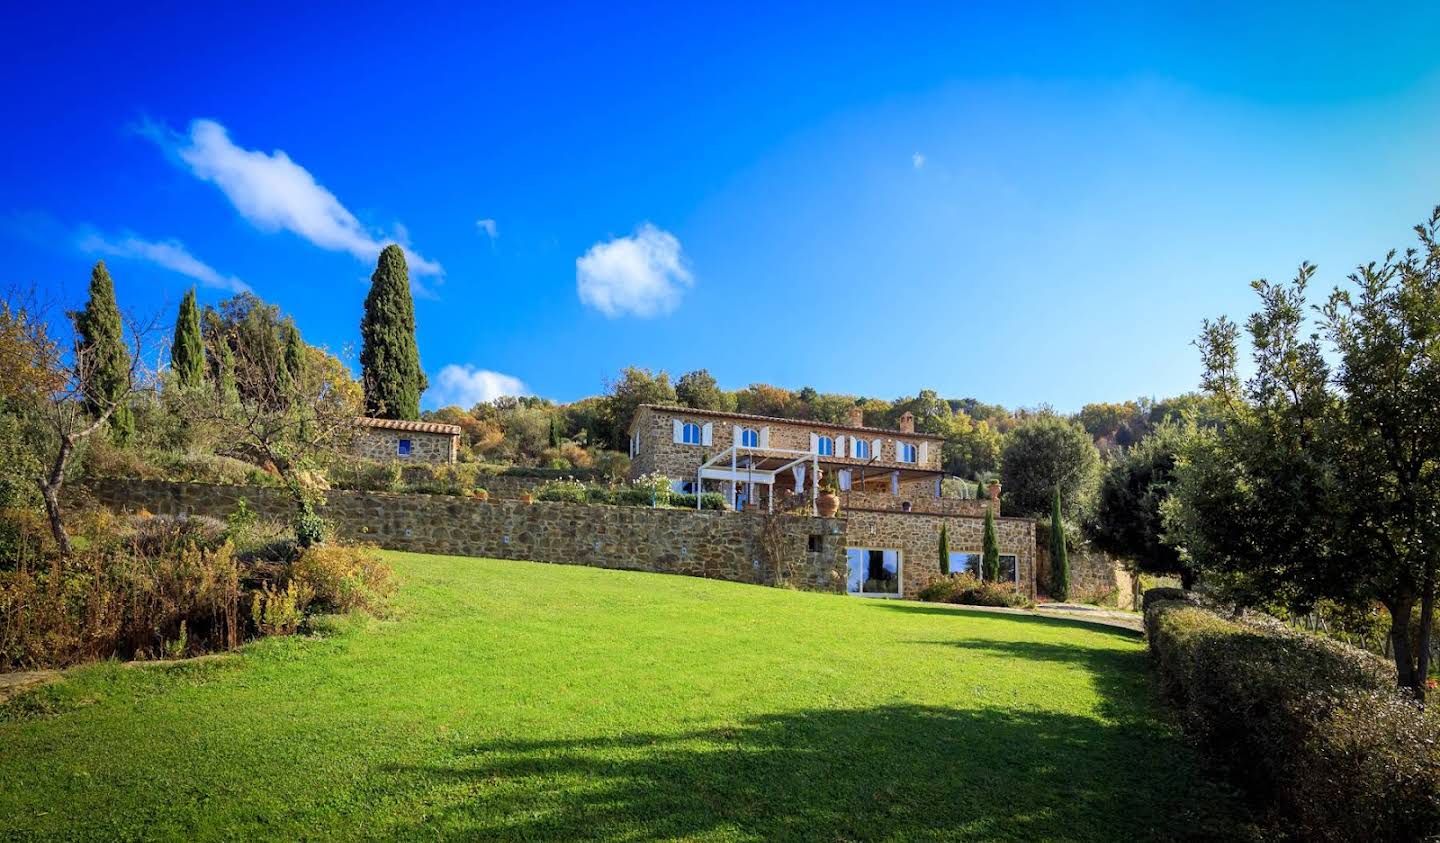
{"x": 873, "y": 572}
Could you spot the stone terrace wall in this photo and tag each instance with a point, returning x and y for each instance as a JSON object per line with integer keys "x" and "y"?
{"x": 926, "y": 502}
{"x": 1095, "y": 576}
{"x": 917, "y": 536}
{"x": 807, "y": 553}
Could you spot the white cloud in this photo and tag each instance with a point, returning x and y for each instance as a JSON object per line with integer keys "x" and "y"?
{"x": 642, "y": 275}
{"x": 171, "y": 254}
{"x": 488, "y": 228}
{"x": 918, "y": 159}
{"x": 274, "y": 193}
{"x": 465, "y": 386}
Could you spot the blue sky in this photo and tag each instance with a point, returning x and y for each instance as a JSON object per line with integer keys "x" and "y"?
{"x": 1023, "y": 204}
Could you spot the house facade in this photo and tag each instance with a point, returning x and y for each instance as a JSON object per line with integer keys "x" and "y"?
{"x": 888, "y": 480}
{"x": 384, "y": 440}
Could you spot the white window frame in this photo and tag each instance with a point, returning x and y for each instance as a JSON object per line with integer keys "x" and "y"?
{"x": 903, "y": 448}
{"x": 820, "y": 441}
{"x": 747, "y": 437}
{"x": 685, "y": 429}
{"x": 860, "y": 448}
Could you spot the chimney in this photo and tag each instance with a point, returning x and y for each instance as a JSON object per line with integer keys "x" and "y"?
{"x": 907, "y": 422}
{"x": 857, "y": 416}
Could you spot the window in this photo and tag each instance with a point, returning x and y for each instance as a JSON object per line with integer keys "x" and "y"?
{"x": 825, "y": 446}
{"x": 860, "y": 448}
{"x": 684, "y": 487}
{"x": 402, "y": 448}
{"x": 817, "y": 542}
{"x": 749, "y": 438}
{"x": 872, "y": 571}
{"x": 1009, "y": 570}
{"x": 690, "y": 434}
{"x": 905, "y": 452}
{"x": 964, "y": 562}
{"x": 634, "y": 444}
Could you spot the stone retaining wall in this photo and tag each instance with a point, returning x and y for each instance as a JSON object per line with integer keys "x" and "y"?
{"x": 1095, "y": 576}
{"x": 807, "y": 553}
{"x": 917, "y": 536}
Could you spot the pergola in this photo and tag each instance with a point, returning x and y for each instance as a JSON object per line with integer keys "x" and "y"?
{"x": 740, "y": 464}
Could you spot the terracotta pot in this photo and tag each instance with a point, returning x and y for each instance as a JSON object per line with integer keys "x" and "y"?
{"x": 482, "y": 496}
{"x": 827, "y": 504}
{"x": 527, "y": 498}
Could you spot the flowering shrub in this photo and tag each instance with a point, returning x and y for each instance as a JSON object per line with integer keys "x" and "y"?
{"x": 967, "y": 589}
{"x": 568, "y": 490}
{"x": 342, "y": 578}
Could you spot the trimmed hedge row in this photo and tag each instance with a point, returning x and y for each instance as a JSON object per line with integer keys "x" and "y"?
{"x": 1314, "y": 731}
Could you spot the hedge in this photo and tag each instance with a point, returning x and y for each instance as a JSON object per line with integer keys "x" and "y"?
{"x": 1315, "y": 732}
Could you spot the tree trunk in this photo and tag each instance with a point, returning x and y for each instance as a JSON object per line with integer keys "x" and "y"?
{"x": 1405, "y": 673}
{"x": 1427, "y": 615}
{"x": 50, "y": 490}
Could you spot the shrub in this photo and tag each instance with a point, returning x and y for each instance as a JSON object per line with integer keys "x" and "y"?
{"x": 966, "y": 589}
{"x": 365, "y": 476}
{"x": 309, "y": 528}
{"x": 277, "y": 611}
{"x": 157, "y": 535}
{"x": 685, "y": 500}
{"x": 568, "y": 490}
{"x": 342, "y": 578}
{"x": 1314, "y": 731}
{"x": 636, "y": 497}
{"x": 599, "y": 494}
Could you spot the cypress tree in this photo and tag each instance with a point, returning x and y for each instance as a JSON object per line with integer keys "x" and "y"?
{"x": 1059, "y": 555}
{"x": 389, "y": 358}
{"x": 294, "y": 353}
{"x": 944, "y": 550}
{"x": 100, "y": 338}
{"x": 187, "y": 349}
{"x": 221, "y": 358}
{"x": 979, "y": 490}
{"x": 990, "y": 553}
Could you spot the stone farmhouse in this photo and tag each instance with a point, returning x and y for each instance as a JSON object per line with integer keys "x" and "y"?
{"x": 888, "y": 480}
{"x": 384, "y": 440}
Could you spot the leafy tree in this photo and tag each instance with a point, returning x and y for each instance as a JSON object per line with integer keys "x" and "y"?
{"x": 1044, "y": 451}
{"x": 389, "y": 358}
{"x": 762, "y": 399}
{"x": 219, "y": 356}
{"x": 1134, "y": 486}
{"x": 1325, "y": 483}
{"x": 944, "y": 550}
{"x": 100, "y": 340}
{"x": 187, "y": 348}
{"x": 636, "y": 386}
{"x": 1059, "y": 553}
{"x": 698, "y": 389}
{"x": 990, "y": 548}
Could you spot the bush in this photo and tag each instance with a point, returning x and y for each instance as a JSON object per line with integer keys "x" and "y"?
{"x": 968, "y": 590}
{"x": 309, "y": 528}
{"x": 630, "y": 496}
{"x": 342, "y": 578}
{"x": 156, "y": 535}
{"x": 1314, "y": 731}
{"x": 709, "y": 500}
{"x": 568, "y": 490}
{"x": 599, "y": 494}
{"x": 365, "y": 476}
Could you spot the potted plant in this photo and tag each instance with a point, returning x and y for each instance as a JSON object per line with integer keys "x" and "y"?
{"x": 481, "y": 495}
{"x": 526, "y": 497}
{"x": 828, "y": 503}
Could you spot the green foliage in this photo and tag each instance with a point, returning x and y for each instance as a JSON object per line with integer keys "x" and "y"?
{"x": 1314, "y": 731}
{"x": 219, "y": 356}
{"x": 710, "y": 500}
{"x": 567, "y": 491}
{"x": 967, "y": 590}
{"x": 698, "y": 389}
{"x": 636, "y": 386}
{"x": 1129, "y": 519}
{"x": 343, "y": 578}
{"x": 187, "y": 347}
{"x": 389, "y": 358}
{"x": 309, "y": 527}
{"x": 1059, "y": 553}
{"x": 279, "y": 611}
{"x": 1042, "y": 452}
{"x": 100, "y": 341}
{"x": 990, "y": 548}
{"x": 1323, "y": 481}
{"x": 944, "y": 550}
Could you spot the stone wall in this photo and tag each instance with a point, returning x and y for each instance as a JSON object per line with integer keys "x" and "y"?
{"x": 381, "y": 444}
{"x": 806, "y": 553}
{"x": 1095, "y": 576}
{"x": 917, "y": 537}
{"x": 927, "y": 503}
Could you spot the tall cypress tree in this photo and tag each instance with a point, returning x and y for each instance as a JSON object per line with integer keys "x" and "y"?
{"x": 187, "y": 349}
{"x": 1059, "y": 554}
{"x": 221, "y": 358}
{"x": 389, "y": 358}
{"x": 990, "y": 552}
{"x": 944, "y": 550}
{"x": 101, "y": 340}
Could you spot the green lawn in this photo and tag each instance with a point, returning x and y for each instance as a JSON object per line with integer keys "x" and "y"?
{"x": 517, "y": 700}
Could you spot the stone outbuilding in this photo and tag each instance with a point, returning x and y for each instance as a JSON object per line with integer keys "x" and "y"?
{"x": 407, "y": 441}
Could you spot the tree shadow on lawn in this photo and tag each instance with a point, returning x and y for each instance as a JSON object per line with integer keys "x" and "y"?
{"x": 1007, "y": 617}
{"x": 898, "y": 771}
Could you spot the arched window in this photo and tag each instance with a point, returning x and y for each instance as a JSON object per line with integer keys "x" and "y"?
{"x": 749, "y": 438}
{"x": 905, "y": 452}
{"x": 690, "y": 434}
{"x": 861, "y": 448}
{"x": 825, "y": 446}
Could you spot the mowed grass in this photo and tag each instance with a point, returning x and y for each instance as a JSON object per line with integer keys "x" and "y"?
{"x": 520, "y": 700}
